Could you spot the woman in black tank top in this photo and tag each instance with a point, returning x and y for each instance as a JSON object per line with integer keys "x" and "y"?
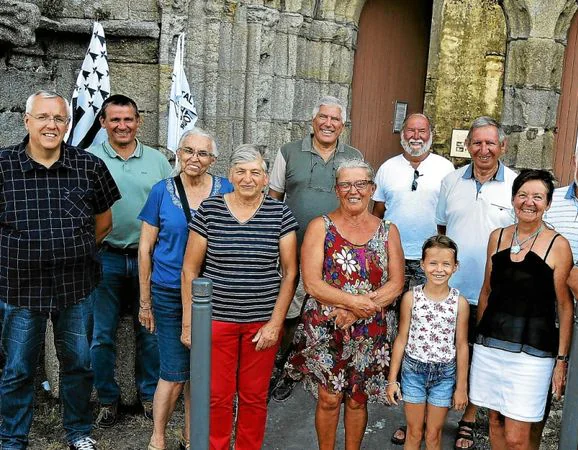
{"x": 527, "y": 267}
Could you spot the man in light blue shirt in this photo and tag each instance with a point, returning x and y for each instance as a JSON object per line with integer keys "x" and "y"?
{"x": 135, "y": 169}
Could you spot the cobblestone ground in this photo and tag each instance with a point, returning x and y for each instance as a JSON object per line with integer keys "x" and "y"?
{"x": 290, "y": 426}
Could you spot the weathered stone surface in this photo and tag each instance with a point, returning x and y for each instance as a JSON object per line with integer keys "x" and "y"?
{"x": 121, "y": 28}
{"x": 18, "y": 22}
{"x": 526, "y": 107}
{"x": 99, "y": 9}
{"x": 535, "y": 62}
{"x": 530, "y": 146}
{"x": 17, "y": 85}
{"x": 144, "y": 10}
{"x": 138, "y": 81}
{"x": 467, "y": 81}
{"x": 11, "y": 128}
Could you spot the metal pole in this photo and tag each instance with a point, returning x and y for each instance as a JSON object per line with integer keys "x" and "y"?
{"x": 200, "y": 363}
{"x": 569, "y": 428}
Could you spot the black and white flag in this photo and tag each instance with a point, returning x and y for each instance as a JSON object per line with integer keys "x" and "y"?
{"x": 182, "y": 111}
{"x": 92, "y": 88}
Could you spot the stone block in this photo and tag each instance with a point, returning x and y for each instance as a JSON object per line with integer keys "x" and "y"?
{"x": 101, "y": 9}
{"x": 289, "y": 22}
{"x": 530, "y": 146}
{"x": 149, "y": 130}
{"x": 125, "y": 361}
{"x": 17, "y": 85}
{"x": 144, "y": 10}
{"x": 133, "y": 50}
{"x": 265, "y": 96}
{"x": 327, "y": 31}
{"x": 138, "y": 81}
{"x": 535, "y": 62}
{"x": 341, "y": 64}
{"x": 309, "y": 55}
{"x": 544, "y": 16}
{"x": 12, "y": 126}
{"x": 525, "y": 107}
{"x": 282, "y": 99}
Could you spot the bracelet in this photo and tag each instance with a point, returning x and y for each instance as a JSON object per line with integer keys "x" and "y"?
{"x": 145, "y": 308}
{"x": 564, "y": 358}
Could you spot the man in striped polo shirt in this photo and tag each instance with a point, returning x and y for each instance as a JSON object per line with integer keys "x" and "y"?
{"x": 563, "y": 216}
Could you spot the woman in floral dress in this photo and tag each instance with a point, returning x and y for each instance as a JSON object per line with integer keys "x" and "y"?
{"x": 352, "y": 265}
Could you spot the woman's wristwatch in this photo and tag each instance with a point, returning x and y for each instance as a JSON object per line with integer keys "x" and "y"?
{"x": 564, "y": 358}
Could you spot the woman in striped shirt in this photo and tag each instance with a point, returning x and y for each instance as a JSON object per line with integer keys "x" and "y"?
{"x": 248, "y": 245}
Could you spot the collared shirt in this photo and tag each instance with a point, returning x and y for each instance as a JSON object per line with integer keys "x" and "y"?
{"x": 135, "y": 178}
{"x": 47, "y": 226}
{"x": 307, "y": 180}
{"x": 413, "y": 211}
{"x": 563, "y": 215}
{"x": 470, "y": 211}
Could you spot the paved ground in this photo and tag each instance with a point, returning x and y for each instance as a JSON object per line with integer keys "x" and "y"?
{"x": 290, "y": 425}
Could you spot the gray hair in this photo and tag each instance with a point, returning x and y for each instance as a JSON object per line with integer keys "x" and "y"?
{"x": 355, "y": 164}
{"x": 417, "y": 115}
{"x": 196, "y": 131}
{"x": 329, "y": 101}
{"x": 486, "y": 121}
{"x": 45, "y": 94}
{"x": 245, "y": 153}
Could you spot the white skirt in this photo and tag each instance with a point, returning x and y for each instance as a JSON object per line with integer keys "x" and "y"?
{"x": 514, "y": 384}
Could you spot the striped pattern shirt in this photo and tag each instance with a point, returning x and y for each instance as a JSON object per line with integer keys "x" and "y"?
{"x": 563, "y": 216}
{"x": 242, "y": 259}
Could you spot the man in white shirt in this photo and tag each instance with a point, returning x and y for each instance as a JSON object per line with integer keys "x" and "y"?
{"x": 475, "y": 200}
{"x": 407, "y": 191}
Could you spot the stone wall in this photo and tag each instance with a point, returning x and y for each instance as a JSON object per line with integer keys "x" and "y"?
{"x": 465, "y": 67}
{"x": 537, "y": 39}
{"x": 52, "y": 60}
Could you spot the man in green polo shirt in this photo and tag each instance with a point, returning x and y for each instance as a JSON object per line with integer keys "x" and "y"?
{"x": 135, "y": 169}
{"x": 304, "y": 176}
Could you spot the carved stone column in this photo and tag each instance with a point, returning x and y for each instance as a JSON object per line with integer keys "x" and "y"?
{"x": 534, "y": 61}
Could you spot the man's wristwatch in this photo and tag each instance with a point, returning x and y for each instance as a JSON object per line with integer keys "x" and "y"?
{"x": 564, "y": 358}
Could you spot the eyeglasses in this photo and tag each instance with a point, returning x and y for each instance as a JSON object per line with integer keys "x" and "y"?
{"x": 45, "y": 118}
{"x": 416, "y": 175}
{"x": 360, "y": 185}
{"x": 200, "y": 153}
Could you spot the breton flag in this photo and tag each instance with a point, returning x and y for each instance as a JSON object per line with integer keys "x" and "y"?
{"x": 182, "y": 111}
{"x": 92, "y": 88}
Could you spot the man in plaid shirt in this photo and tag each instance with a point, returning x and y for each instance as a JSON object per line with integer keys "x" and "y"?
{"x": 54, "y": 209}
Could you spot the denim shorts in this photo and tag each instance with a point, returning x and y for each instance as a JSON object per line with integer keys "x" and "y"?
{"x": 168, "y": 314}
{"x": 433, "y": 383}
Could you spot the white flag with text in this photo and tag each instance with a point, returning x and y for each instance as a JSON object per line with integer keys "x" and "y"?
{"x": 92, "y": 89}
{"x": 182, "y": 111}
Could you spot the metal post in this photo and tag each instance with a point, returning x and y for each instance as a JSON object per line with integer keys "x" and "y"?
{"x": 200, "y": 363}
{"x": 569, "y": 428}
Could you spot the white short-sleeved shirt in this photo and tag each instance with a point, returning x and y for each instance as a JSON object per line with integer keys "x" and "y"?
{"x": 470, "y": 211}
{"x": 563, "y": 216}
{"x": 412, "y": 211}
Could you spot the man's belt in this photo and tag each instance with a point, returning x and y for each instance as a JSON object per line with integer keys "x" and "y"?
{"x": 126, "y": 251}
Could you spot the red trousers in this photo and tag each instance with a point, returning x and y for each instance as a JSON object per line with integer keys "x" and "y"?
{"x": 237, "y": 368}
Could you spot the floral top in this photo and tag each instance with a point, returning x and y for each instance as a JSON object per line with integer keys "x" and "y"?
{"x": 432, "y": 328}
{"x": 355, "y": 361}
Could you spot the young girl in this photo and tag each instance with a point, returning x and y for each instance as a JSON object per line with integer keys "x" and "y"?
{"x": 432, "y": 338}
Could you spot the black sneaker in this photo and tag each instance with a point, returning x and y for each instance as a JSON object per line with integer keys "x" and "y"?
{"x": 107, "y": 415}
{"x": 283, "y": 390}
{"x": 85, "y": 443}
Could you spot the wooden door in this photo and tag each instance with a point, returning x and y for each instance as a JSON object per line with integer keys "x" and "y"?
{"x": 390, "y": 65}
{"x": 567, "y": 119}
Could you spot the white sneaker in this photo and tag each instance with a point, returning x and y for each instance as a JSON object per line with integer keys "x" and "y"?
{"x": 85, "y": 443}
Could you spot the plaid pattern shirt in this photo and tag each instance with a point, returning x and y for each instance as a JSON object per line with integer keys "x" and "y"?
{"x": 47, "y": 226}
